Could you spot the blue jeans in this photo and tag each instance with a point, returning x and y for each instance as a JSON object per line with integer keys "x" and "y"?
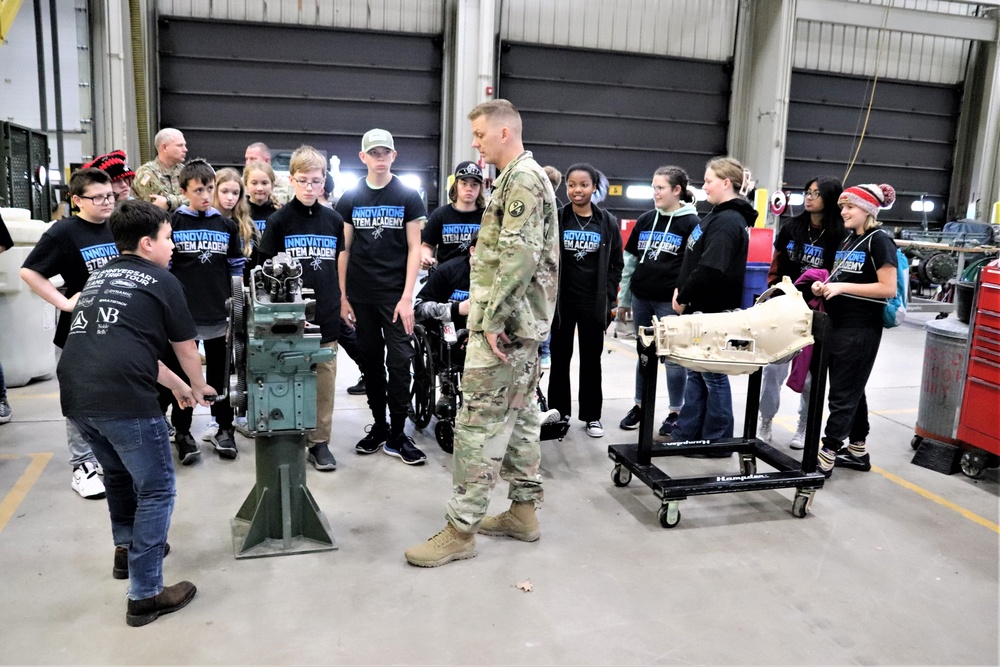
{"x": 139, "y": 482}
{"x": 708, "y": 408}
{"x": 642, "y": 315}
{"x": 543, "y": 347}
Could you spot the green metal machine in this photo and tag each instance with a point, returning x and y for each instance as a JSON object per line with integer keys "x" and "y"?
{"x": 275, "y": 351}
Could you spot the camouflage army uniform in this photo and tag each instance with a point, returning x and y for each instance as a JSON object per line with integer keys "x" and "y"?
{"x": 153, "y": 178}
{"x": 512, "y": 290}
{"x": 282, "y": 190}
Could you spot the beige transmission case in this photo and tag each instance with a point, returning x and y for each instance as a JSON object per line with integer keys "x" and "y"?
{"x": 738, "y": 342}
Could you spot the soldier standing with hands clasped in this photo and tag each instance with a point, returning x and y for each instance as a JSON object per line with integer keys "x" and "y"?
{"x": 513, "y": 282}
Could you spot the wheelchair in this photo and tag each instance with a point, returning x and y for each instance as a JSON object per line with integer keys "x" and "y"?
{"x": 435, "y": 387}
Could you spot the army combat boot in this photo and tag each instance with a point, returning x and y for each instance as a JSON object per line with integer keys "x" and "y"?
{"x": 518, "y": 522}
{"x": 446, "y": 546}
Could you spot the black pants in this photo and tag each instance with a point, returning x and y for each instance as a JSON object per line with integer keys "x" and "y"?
{"x": 860, "y": 426}
{"x": 348, "y": 342}
{"x": 852, "y": 356}
{"x": 215, "y": 362}
{"x": 591, "y": 336}
{"x": 381, "y": 338}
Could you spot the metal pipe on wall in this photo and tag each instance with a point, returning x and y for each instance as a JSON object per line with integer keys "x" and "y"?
{"x": 57, "y": 85}
{"x": 43, "y": 106}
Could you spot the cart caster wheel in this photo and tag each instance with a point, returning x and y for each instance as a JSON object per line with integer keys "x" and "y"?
{"x": 621, "y": 476}
{"x": 973, "y": 464}
{"x": 941, "y": 316}
{"x": 915, "y": 443}
{"x": 669, "y": 515}
{"x": 445, "y": 434}
{"x": 800, "y": 506}
{"x": 748, "y": 465}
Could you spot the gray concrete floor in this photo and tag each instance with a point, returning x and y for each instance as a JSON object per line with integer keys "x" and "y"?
{"x": 890, "y": 567}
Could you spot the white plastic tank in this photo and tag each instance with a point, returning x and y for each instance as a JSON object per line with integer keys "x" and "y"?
{"x": 27, "y": 322}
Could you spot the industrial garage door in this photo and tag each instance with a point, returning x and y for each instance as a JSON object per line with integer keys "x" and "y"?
{"x": 624, "y": 113}
{"x": 228, "y": 84}
{"x": 909, "y": 142}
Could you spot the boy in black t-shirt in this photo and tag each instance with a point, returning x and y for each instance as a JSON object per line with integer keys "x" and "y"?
{"x": 314, "y": 235}
{"x": 449, "y": 228}
{"x": 207, "y": 254}
{"x": 129, "y": 313}
{"x": 74, "y": 248}
{"x": 378, "y": 272}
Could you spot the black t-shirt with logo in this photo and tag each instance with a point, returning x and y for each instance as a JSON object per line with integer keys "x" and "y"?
{"x": 715, "y": 259}
{"x": 313, "y": 235}
{"x": 259, "y": 213}
{"x": 858, "y": 262}
{"x": 127, "y": 314}
{"x": 206, "y": 253}
{"x": 657, "y": 241}
{"x": 449, "y": 282}
{"x": 376, "y": 272}
{"x": 579, "y": 263}
{"x": 800, "y": 247}
{"x": 451, "y": 231}
{"x": 72, "y": 248}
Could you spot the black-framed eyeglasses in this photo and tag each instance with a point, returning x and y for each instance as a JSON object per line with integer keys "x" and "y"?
{"x": 100, "y": 199}
{"x": 812, "y": 194}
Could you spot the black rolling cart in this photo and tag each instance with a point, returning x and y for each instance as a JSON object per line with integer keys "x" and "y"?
{"x": 636, "y": 459}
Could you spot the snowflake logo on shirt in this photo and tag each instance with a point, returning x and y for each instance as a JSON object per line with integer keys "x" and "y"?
{"x": 378, "y": 231}
{"x": 316, "y": 264}
{"x": 205, "y": 257}
{"x": 580, "y": 254}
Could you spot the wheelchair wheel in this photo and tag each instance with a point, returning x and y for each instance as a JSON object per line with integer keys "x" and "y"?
{"x": 444, "y": 431}
{"x": 422, "y": 385}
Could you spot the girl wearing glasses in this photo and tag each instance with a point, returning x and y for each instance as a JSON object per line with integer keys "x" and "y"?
{"x": 653, "y": 257}
{"x": 590, "y": 269}
{"x": 711, "y": 281}
{"x": 807, "y": 241}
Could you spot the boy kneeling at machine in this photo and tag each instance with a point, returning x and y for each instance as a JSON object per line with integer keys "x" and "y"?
{"x": 127, "y": 316}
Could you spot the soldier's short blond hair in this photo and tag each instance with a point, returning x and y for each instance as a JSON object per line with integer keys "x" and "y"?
{"x": 306, "y": 158}
{"x": 166, "y": 135}
{"x": 501, "y": 111}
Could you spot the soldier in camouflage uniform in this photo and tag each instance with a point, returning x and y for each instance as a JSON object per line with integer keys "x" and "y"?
{"x": 512, "y": 299}
{"x": 158, "y": 180}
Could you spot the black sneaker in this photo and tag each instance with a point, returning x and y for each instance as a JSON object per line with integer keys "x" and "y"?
{"x": 667, "y": 427}
{"x": 632, "y": 419}
{"x": 401, "y": 446}
{"x": 358, "y": 389}
{"x": 187, "y": 448}
{"x": 321, "y": 457}
{"x": 846, "y": 459}
{"x": 225, "y": 444}
{"x": 377, "y": 434}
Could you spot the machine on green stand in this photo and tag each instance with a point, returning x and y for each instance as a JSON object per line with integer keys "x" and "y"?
{"x": 275, "y": 351}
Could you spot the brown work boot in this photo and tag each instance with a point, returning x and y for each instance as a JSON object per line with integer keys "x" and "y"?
{"x": 446, "y": 546}
{"x": 518, "y": 522}
{"x": 170, "y": 599}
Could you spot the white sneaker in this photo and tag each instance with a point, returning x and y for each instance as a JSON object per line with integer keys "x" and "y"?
{"x": 86, "y": 481}
{"x": 764, "y": 431}
{"x": 799, "y": 439}
{"x": 241, "y": 426}
{"x": 211, "y": 431}
{"x": 551, "y": 416}
{"x": 595, "y": 429}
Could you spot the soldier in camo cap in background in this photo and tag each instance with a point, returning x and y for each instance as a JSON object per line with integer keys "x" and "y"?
{"x": 513, "y": 285}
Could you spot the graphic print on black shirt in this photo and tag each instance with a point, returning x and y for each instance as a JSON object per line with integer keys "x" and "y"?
{"x": 124, "y": 320}
{"x": 72, "y": 248}
{"x": 376, "y": 272}
{"x": 313, "y": 235}
{"x": 451, "y": 230}
{"x": 206, "y": 254}
{"x": 658, "y": 241}
{"x": 579, "y": 264}
{"x": 858, "y": 262}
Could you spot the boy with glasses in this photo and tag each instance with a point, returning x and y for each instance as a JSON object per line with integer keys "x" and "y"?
{"x": 378, "y": 274}
{"x": 74, "y": 248}
{"x": 314, "y": 235}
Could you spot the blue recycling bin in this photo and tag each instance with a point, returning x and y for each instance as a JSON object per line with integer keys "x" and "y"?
{"x": 755, "y": 282}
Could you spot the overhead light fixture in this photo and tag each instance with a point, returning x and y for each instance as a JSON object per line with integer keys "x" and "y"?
{"x": 796, "y": 199}
{"x": 922, "y": 206}
{"x": 639, "y": 192}
{"x": 411, "y": 181}
{"x": 699, "y": 194}
{"x": 344, "y": 181}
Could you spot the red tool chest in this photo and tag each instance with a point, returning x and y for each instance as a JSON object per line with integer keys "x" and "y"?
{"x": 979, "y": 421}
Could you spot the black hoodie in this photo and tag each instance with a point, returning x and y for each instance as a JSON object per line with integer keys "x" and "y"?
{"x": 715, "y": 262}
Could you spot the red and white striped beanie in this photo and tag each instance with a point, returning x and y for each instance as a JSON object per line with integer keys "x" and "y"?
{"x": 869, "y": 197}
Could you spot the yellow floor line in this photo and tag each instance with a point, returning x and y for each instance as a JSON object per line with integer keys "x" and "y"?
{"x": 27, "y": 480}
{"x": 972, "y": 516}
